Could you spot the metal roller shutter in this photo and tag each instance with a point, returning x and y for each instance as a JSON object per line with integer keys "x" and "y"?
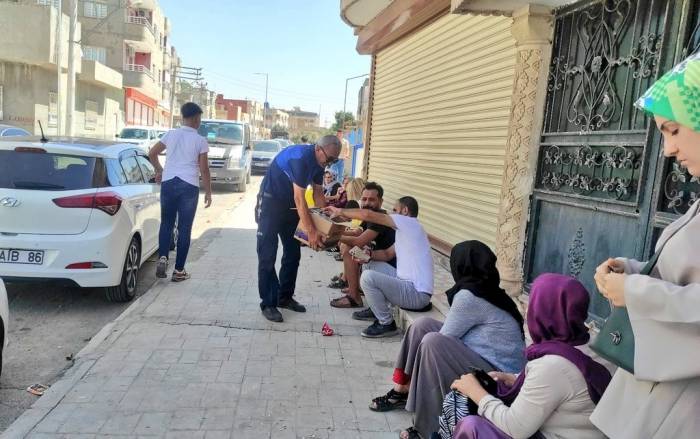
{"x": 440, "y": 114}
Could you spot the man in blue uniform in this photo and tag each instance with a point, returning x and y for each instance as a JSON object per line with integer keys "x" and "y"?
{"x": 281, "y": 204}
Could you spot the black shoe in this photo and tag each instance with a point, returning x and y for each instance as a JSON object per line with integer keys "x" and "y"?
{"x": 272, "y": 314}
{"x": 377, "y": 330}
{"x": 365, "y": 314}
{"x": 292, "y": 304}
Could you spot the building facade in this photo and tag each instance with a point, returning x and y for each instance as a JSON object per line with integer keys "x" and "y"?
{"x": 30, "y": 92}
{"x": 534, "y": 146}
{"x": 300, "y": 120}
{"x": 276, "y": 118}
{"x": 133, "y": 39}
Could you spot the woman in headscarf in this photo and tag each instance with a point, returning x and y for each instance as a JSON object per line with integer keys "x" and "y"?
{"x": 662, "y": 398}
{"x": 555, "y": 394}
{"x": 483, "y": 330}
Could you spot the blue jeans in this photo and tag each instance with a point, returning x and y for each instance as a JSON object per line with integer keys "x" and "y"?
{"x": 178, "y": 200}
{"x": 275, "y": 220}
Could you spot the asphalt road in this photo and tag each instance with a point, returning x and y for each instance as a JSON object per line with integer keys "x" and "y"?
{"x": 49, "y": 324}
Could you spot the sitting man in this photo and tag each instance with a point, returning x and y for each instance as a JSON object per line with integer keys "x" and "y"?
{"x": 411, "y": 284}
{"x": 381, "y": 235}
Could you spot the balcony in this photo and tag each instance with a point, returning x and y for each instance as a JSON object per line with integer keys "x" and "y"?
{"x": 140, "y": 77}
{"x": 100, "y": 75}
{"x": 140, "y": 29}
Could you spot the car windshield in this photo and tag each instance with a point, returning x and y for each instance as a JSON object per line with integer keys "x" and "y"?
{"x": 266, "y": 146}
{"x": 45, "y": 171}
{"x": 212, "y": 131}
{"x": 134, "y": 133}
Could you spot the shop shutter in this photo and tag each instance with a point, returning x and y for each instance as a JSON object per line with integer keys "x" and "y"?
{"x": 440, "y": 114}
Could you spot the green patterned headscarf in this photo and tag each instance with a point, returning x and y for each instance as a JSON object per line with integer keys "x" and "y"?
{"x": 676, "y": 96}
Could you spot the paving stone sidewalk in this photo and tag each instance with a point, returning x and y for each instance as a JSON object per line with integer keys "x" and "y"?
{"x": 197, "y": 360}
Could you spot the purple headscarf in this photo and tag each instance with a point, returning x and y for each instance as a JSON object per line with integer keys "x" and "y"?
{"x": 557, "y": 311}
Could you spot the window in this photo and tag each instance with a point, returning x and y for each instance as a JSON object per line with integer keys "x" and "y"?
{"x": 53, "y": 3}
{"x": 98, "y": 54}
{"x": 95, "y": 10}
{"x": 132, "y": 170}
{"x": 90, "y": 115}
{"x": 53, "y": 109}
{"x": 115, "y": 173}
{"x": 47, "y": 171}
{"x": 149, "y": 173}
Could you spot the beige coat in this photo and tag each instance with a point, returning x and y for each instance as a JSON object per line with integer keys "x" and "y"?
{"x": 662, "y": 399}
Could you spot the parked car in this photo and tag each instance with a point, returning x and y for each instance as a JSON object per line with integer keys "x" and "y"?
{"x": 10, "y": 131}
{"x": 144, "y": 137}
{"x": 5, "y": 320}
{"x": 263, "y": 153}
{"x": 230, "y": 151}
{"x": 284, "y": 142}
{"x": 81, "y": 212}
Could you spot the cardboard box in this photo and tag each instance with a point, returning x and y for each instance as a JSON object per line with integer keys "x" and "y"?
{"x": 330, "y": 228}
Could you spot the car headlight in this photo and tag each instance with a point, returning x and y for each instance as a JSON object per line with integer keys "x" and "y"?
{"x": 236, "y": 162}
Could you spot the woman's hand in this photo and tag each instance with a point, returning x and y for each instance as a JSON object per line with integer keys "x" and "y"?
{"x": 612, "y": 286}
{"x": 469, "y": 386}
{"x": 506, "y": 378}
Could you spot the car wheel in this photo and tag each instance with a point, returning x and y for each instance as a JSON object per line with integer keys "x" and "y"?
{"x": 126, "y": 290}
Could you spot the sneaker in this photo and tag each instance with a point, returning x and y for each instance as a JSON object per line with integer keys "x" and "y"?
{"x": 272, "y": 314}
{"x": 377, "y": 330}
{"x": 162, "y": 267}
{"x": 365, "y": 314}
{"x": 292, "y": 304}
{"x": 179, "y": 276}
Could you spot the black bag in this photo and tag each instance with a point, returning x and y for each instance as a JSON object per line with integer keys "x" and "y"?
{"x": 456, "y": 406}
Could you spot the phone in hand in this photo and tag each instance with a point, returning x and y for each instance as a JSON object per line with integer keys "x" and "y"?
{"x": 359, "y": 254}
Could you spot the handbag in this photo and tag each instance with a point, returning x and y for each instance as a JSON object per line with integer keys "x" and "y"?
{"x": 615, "y": 341}
{"x": 456, "y": 406}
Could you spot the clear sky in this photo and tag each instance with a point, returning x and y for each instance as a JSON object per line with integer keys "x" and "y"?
{"x": 305, "y": 47}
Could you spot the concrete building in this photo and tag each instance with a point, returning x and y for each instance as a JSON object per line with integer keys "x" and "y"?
{"x": 132, "y": 38}
{"x": 303, "y": 120}
{"x": 277, "y": 118}
{"x": 29, "y": 86}
{"x": 244, "y": 110}
{"x": 527, "y": 137}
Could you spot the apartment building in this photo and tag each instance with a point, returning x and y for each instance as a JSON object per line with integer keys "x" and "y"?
{"x": 30, "y": 90}
{"x": 133, "y": 38}
{"x": 303, "y": 120}
{"x": 277, "y": 118}
{"x": 243, "y": 110}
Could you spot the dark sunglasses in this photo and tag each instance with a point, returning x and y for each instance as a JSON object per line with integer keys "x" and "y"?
{"x": 329, "y": 160}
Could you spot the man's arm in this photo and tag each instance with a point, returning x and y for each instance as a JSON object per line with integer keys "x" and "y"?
{"x": 315, "y": 240}
{"x": 365, "y": 215}
{"x": 206, "y": 177}
{"x": 153, "y": 157}
{"x": 319, "y": 198}
{"x": 360, "y": 241}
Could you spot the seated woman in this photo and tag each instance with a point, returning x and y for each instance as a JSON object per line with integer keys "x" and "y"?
{"x": 483, "y": 329}
{"x": 560, "y": 386}
{"x": 332, "y": 190}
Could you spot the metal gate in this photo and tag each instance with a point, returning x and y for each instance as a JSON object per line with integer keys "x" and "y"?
{"x": 602, "y": 189}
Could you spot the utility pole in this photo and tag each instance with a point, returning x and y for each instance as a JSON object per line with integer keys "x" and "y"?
{"x": 345, "y": 99}
{"x": 70, "y": 87}
{"x": 266, "y": 104}
{"x": 186, "y": 73}
{"x": 59, "y": 57}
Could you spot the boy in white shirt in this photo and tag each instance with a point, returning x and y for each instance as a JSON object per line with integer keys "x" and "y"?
{"x": 179, "y": 193}
{"x": 410, "y": 285}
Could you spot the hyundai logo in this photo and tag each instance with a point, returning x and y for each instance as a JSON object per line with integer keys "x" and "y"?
{"x": 9, "y": 202}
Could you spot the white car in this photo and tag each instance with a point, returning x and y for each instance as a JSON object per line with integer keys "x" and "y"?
{"x": 5, "y": 316}
{"x": 142, "y": 136}
{"x": 82, "y": 212}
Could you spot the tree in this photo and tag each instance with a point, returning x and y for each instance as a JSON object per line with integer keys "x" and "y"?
{"x": 340, "y": 117}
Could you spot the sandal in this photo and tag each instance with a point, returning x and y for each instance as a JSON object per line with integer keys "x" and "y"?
{"x": 410, "y": 433}
{"x": 338, "y": 257}
{"x": 393, "y": 400}
{"x": 337, "y": 277}
{"x": 338, "y": 284}
{"x": 345, "y": 301}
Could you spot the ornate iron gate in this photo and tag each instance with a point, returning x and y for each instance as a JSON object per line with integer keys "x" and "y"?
{"x": 601, "y": 189}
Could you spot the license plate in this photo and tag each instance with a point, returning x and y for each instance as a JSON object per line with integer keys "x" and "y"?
{"x": 213, "y": 174}
{"x": 10, "y": 256}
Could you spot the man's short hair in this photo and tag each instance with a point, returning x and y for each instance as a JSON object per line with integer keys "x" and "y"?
{"x": 372, "y": 186}
{"x": 411, "y": 204}
{"x": 190, "y": 109}
{"x": 304, "y": 139}
{"x": 331, "y": 141}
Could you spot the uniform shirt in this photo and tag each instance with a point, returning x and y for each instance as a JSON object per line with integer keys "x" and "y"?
{"x": 184, "y": 146}
{"x": 414, "y": 262}
{"x": 293, "y": 165}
